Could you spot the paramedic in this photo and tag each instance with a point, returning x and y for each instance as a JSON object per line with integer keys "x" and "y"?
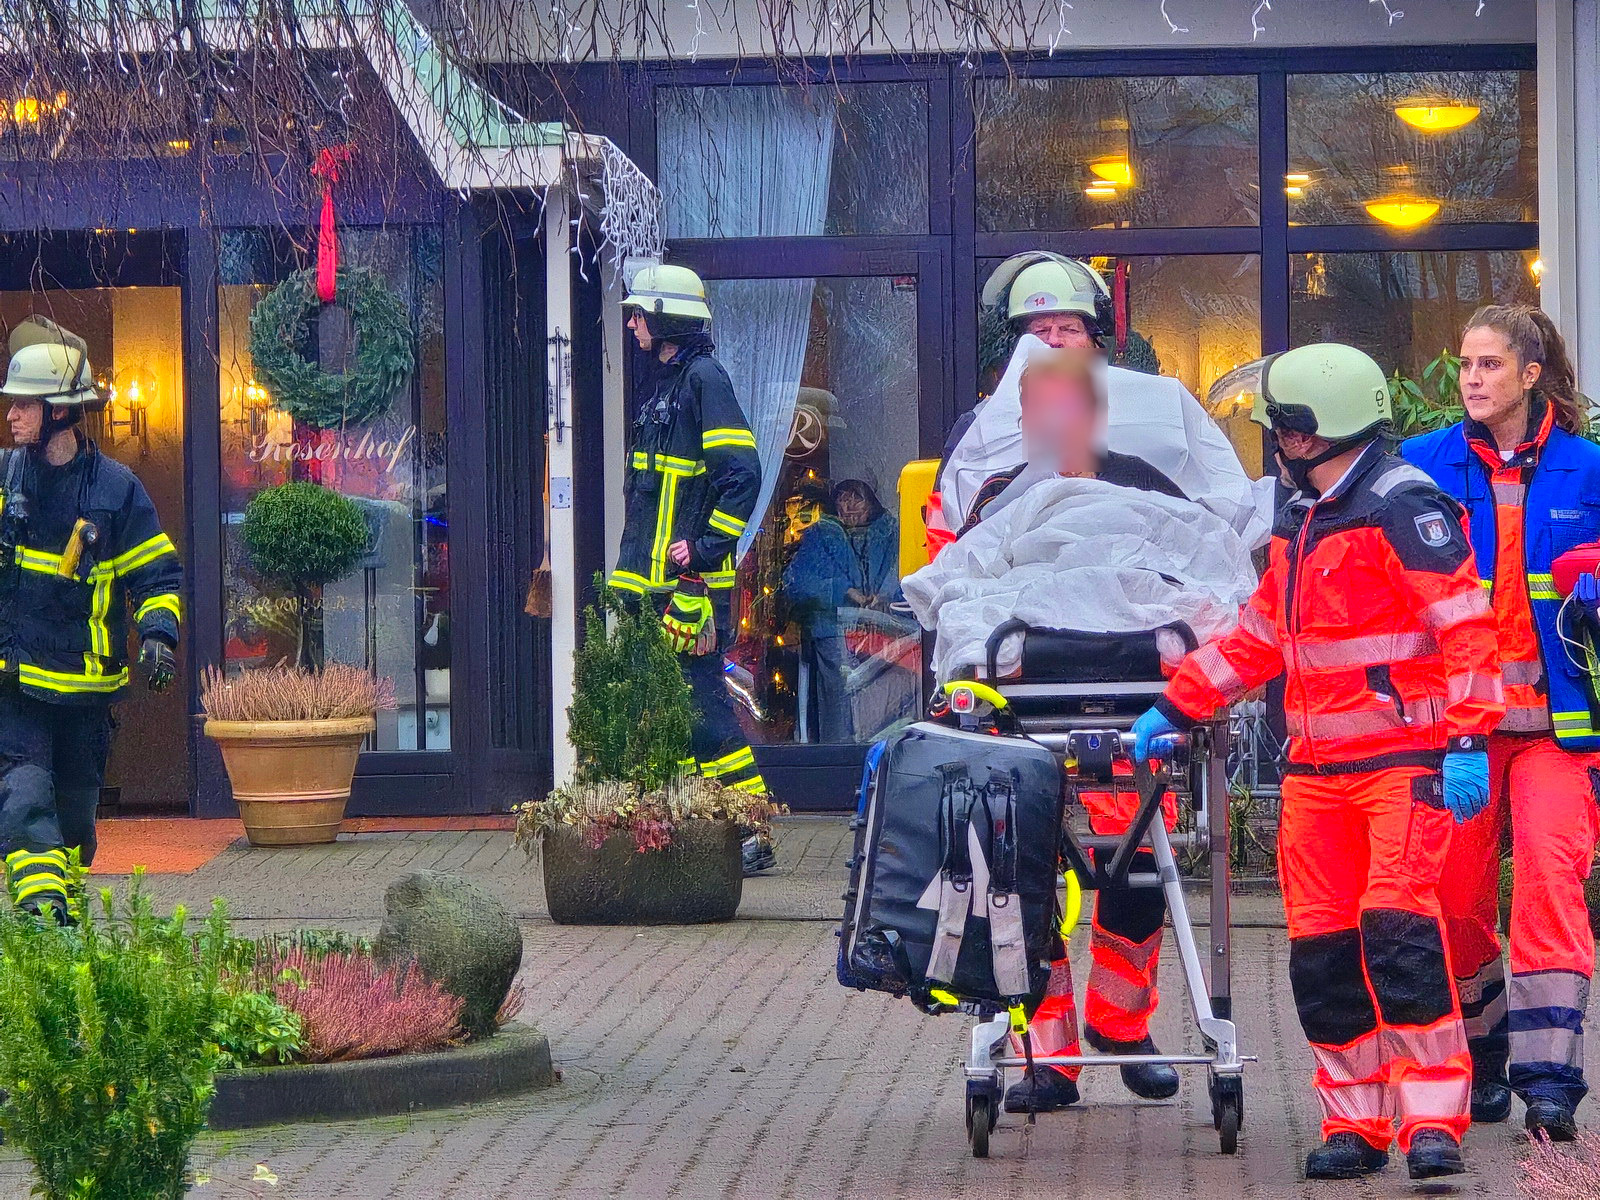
{"x": 1528, "y": 479}
{"x": 79, "y": 541}
{"x": 1372, "y": 608}
{"x": 1066, "y": 304}
{"x": 692, "y": 483}
{"x": 1063, "y": 422}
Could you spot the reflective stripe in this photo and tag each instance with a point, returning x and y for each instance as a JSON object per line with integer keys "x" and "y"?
{"x": 1527, "y": 674}
{"x": 1529, "y": 719}
{"x": 1483, "y": 1001}
{"x": 1360, "y": 724}
{"x": 1542, "y": 587}
{"x": 1486, "y": 584}
{"x": 1426, "y": 1045}
{"x": 67, "y": 683}
{"x": 1546, "y": 1018}
{"x": 627, "y": 581}
{"x": 166, "y": 601}
{"x": 1421, "y": 1098}
{"x": 1257, "y": 626}
{"x": 1352, "y": 1081}
{"x": 1510, "y": 493}
{"x": 1218, "y": 670}
{"x": 756, "y": 786}
{"x": 713, "y": 438}
{"x": 728, "y": 763}
{"x": 723, "y": 523}
{"x": 1452, "y": 610}
{"x": 1395, "y": 476}
{"x": 1471, "y": 685}
{"x": 1359, "y": 1062}
{"x": 1111, "y": 989}
{"x": 719, "y": 579}
{"x": 1550, "y": 989}
{"x": 1547, "y": 1046}
{"x": 1367, "y": 651}
{"x": 143, "y": 553}
{"x": 1572, "y": 722}
{"x": 667, "y": 464}
{"x": 665, "y": 512}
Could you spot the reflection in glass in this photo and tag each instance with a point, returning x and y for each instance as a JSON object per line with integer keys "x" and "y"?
{"x": 827, "y": 371}
{"x": 393, "y": 613}
{"x": 1412, "y": 148}
{"x": 1403, "y": 309}
{"x": 790, "y": 161}
{"x": 1112, "y": 153}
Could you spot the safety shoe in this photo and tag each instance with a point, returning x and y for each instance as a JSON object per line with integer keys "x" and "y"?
{"x": 1041, "y": 1090}
{"x": 758, "y": 855}
{"x": 1491, "y": 1102}
{"x": 1434, "y": 1153}
{"x": 1556, "y": 1121}
{"x": 1345, "y": 1156}
{"x": 1148, "y": 1081}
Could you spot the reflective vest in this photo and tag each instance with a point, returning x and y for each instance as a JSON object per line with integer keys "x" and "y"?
{"x": 1560, "y": 505}
{"x": 64, "y": 624}
{"x": 1372, "y": 610}
{"x": 693, "y": 475}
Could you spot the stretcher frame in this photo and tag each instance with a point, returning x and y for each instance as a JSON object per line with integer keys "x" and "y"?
{"x": 1210, "y": 993}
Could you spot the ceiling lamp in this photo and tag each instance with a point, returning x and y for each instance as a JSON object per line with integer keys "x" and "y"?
{"x": 1117, "y": 171}
{"x": 1403, "y": 212}
{"x": 1101, "y": 191}
{"x": 1435, "y": 117}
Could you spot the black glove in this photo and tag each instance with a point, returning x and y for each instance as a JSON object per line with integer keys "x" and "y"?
{"x": 158, "y": 658}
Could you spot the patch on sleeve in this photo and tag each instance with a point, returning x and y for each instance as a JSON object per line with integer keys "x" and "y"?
{"x": 1433, "y": 529}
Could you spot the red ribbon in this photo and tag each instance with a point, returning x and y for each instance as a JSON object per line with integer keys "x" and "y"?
{"x": 329, "y": 162}
{"x": 1119, "y": 304}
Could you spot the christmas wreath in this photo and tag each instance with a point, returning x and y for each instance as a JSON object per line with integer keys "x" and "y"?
{"x": 382, "y": 363}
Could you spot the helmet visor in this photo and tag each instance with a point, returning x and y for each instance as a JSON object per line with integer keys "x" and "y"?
{"x": 1244, "y": 389}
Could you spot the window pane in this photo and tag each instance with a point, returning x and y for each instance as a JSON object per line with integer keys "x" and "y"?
{"x": 1418, "y": 147}
{"x": 826, "y": 369}
{"x": 1113, "y": 153}
{"x": 393, "y": 613}
{"x": 1194, "y": 317}
{"x": 1402, "y": 309}
{"x": 772, "y": 161}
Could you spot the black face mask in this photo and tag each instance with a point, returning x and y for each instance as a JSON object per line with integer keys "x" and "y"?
{"x": 1299, "y": 469}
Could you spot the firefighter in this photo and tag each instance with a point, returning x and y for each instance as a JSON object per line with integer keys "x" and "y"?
{"x": 1372, "y": 609}
{"x": 79, "y": 543}
{"x": 1527, "y": 477}
{"x": 691, "y": 487}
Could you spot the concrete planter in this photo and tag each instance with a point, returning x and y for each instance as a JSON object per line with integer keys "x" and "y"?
{"x": 291, "y": 779}
{"x": 515, "y": 1060}
{"x": 697, "y": 879}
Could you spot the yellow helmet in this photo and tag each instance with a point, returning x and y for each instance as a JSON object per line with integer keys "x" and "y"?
{"x": 49, "y": 364}
{"x": 669, "y": 291}
{"x": 1334, "y": 391}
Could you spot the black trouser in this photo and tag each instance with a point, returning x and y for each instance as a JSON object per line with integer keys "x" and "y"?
{"x": 52, "y": 763}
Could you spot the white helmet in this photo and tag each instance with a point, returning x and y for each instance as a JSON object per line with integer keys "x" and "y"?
{"x": 1038, "y": 283}
{"x": 49, "y": 364}
{"x": 668, "y": 291}
{"x": 1331, "y": 390}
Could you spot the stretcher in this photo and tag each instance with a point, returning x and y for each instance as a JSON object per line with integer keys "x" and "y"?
{"x": 1079, "y": 696}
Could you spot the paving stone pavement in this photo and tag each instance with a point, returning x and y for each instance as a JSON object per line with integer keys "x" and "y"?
{"x": 726, "y": 1061}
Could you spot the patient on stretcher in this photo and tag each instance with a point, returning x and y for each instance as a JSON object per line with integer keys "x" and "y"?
{"x": 1076, "y": 538}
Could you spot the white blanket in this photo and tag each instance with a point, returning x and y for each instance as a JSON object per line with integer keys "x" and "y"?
{"x": 1084, "y": 555}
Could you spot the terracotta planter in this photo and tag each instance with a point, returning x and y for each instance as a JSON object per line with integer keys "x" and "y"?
{"x": 699, "y": 878}
{"x": 291, "y": 779}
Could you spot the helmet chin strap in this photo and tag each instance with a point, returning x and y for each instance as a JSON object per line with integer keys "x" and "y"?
{"x": 49, "y": 427}
{"x": 1299, "y": 469}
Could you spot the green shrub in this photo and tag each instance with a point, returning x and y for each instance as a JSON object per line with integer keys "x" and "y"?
{"x": 107, "y": 1046}
{"x": 632, "y": 713}
{"x": 254, "y": 1030}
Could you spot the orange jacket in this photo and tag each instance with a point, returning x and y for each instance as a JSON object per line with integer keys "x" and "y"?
{"x": 1372, "y": 608}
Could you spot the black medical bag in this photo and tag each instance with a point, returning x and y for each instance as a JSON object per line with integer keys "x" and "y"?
{"x": 953, "y": 878}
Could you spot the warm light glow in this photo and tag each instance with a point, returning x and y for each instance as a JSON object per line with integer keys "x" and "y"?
{"x": 1297, "y": 178}
{"x": 1101, "y": 191}
{"x": 1403, "y": 212}
{"x": 1536, "y": 268}
{"x": 180, "y": 145}
{"x": 1436, "y": 118}
{"x": 1292, "y": 190}
{"x": 1115, "y": 171}
{"x": 26, "y": 110}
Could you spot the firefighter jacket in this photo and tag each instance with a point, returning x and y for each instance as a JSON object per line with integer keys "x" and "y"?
{"x": 1372, "y": 610}
{"x": 64, "y": 625}
{"x": 1558, "y": 475}
{"x": 693, "y": 475}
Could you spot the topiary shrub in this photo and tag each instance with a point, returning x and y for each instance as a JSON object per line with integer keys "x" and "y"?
{"x": 302, "y": 537}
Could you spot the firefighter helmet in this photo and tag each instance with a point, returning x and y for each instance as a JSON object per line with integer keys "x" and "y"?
{"x": 1038, "y": 283}
{"x": 662, "y": 290}
{"x": 1336, "y": 392}
{"x": 49, "y": 364}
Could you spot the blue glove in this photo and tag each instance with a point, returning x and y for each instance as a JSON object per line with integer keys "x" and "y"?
{"x": 1155, "y": 725}
{"x": 1466, "y": 783}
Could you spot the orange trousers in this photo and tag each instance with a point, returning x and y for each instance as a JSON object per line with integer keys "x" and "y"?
{"x": 1359, "y": 857}
{"x": 1547, "y": 795}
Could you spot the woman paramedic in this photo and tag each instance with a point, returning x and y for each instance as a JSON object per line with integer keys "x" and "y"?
{"x": 1372, "y": 609}
{"x": 1531, "y": 487}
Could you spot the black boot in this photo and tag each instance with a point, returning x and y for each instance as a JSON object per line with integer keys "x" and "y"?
{"x": 1491, "y": 1102}
{"x": 1556, "y": 1121}
{"x": 758, "y": 855}
{"x": 1345, "y": 1156}
{"x": 1433, "y": 1154}
{"x": 1148, "y": 1081}
{"x": 1041, "y": 1090}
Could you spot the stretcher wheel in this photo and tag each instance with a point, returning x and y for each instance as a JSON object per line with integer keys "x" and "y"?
{"x": 1227, "y": 1110}
{"x": 980, "y": 1120}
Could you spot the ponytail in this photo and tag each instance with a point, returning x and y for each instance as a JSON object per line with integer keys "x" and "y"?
{"x": 1534, "y": 338}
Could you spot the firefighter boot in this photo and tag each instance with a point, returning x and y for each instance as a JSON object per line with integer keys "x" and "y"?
{"x": 1148, "y": 1081}
{"x": 1345, "y": 1156}
{"x": 1491, "y": 1101}
{"x": 1434, "y": 1153}
{"x": 1556, "y": 1121}
{"x": 1041, "y": 1090}
{"x": 758, "y": 855}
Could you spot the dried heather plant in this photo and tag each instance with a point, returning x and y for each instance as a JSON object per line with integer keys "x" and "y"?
{"x": 349, "y": 1007}
{"x": 1573, "y": 1174}
{"x": 285, "y": 693}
